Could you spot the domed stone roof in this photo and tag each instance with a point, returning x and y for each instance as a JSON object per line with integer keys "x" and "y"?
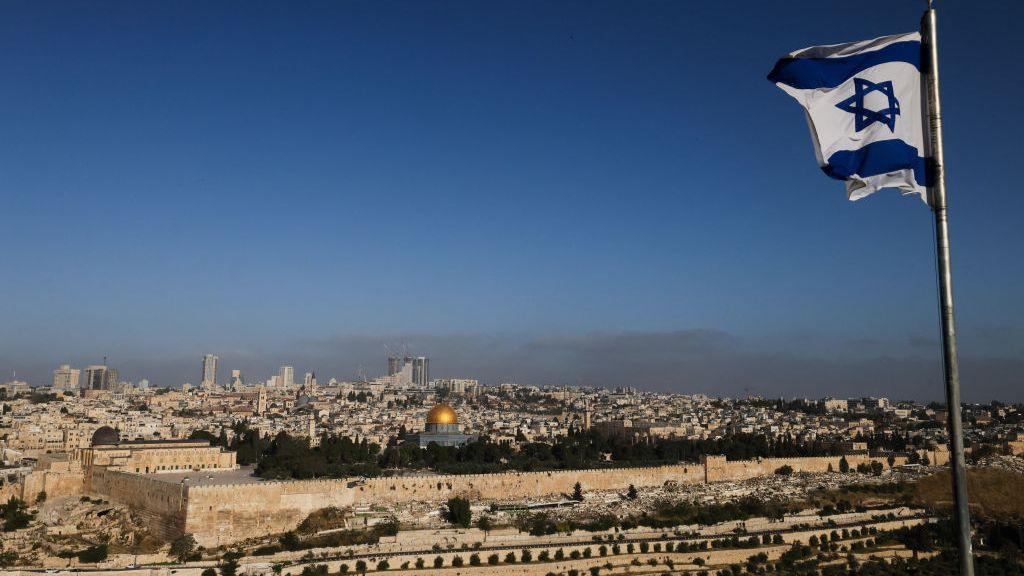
{"x": 442, "y": 414}
{"x": 105, "y": 436}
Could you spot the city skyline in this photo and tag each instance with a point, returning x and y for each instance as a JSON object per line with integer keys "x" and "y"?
{"x": 565, "y": 181}
{"x": 730, "y": 367}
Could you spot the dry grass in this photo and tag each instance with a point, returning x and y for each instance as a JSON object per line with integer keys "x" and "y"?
{"x": 992, "y": 493}
{"x": 862, "y": 495}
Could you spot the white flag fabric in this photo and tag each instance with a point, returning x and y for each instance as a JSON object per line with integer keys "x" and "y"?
{"x": 864, "y": 103}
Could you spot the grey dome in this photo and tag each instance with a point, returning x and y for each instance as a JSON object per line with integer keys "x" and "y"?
{"x": 105, "y": 435}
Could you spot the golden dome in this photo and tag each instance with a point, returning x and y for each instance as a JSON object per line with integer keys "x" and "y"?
{"x": 442, "y": 414}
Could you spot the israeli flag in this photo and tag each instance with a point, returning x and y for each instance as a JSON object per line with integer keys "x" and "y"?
{"x": 864, "y": 103}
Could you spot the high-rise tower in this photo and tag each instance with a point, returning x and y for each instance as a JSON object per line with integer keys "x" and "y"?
{"x": 394, "y": 365}
{"x": 420, "y": 371}
{"x": 209, "y": 371}
{"x": 65, "y": 377}
{"x": 286, "y": 377}
{"x": 96, "y": 378}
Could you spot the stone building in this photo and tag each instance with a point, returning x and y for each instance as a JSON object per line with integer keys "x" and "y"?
{"x": 153, "y": 456}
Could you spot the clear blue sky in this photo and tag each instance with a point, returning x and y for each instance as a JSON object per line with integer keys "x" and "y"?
{"x": 543, "y": 191}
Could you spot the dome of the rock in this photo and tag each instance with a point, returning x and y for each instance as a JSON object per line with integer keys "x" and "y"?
{"x": 442, "y": 414}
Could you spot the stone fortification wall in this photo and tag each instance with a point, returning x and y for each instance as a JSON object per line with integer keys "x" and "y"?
{"x": 219, "y": 514}
{"x": 718, "y": 469}
{"x": 161, "y": 504}
{"x": 222, "y": 514}
{"x": 56, "y": 484}
{"x": 520, "y": 484}
{"x": 10, "y": 490}
{"x": 937, "y": 457}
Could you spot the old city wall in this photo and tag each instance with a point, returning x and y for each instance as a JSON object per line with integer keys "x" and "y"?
{"x": 221, "y": 514}
{"x": 520, "y": 484}
{"x": 161, "y": 504}
{"x": 218, "y": 514}
{"x": 937, "y": 457}
{"x": 10, "y": 490}
{"x": 718, "y": 469}
{"x": 55, "y": 483}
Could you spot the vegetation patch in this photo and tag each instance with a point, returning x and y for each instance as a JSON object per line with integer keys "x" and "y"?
{"x": 993, "y": 493}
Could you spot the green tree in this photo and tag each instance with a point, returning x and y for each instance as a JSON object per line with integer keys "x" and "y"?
{"x": 484, "y": 523}
{"x": 229, "y": 565}
{"x": 577, "y": 492}
{"x": 14, "y": 515}
{"x": 844, "y": 466}
{"x": 183, "y": 547}
{"x": 631, "y": 493}
{"x": 438, "y": 562}
{"x": 209, "y": 572}
{"x": 314, "y": 570}
{"x": 290, "y": 540}
{"x": 458, "y": 512}
{"x": 474, "y": 559}
{"x": 877, "y": 468}
{"x": 785, "y": 470}
{"x": 361, "y": 566}
{"x": 93, "y": 554}
{"x": 41, "y": 497}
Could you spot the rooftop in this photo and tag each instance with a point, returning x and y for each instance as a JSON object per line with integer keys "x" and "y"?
{"x": 241, "y": 475}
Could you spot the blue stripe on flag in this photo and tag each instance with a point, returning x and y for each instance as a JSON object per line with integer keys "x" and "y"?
{"x": 810, "y": 73}
{"x": 877, "y": 158}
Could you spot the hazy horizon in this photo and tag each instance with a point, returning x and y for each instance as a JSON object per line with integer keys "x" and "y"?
{"x": 688, "y": 362}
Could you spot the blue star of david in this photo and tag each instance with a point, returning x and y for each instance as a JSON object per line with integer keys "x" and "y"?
{"x": 866, "y": 117}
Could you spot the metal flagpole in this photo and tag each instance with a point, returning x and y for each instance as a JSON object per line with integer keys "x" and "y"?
{"x": 937, "y": 199}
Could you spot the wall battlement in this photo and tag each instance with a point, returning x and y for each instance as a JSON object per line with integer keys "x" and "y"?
{"x": 218, "y": 514}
